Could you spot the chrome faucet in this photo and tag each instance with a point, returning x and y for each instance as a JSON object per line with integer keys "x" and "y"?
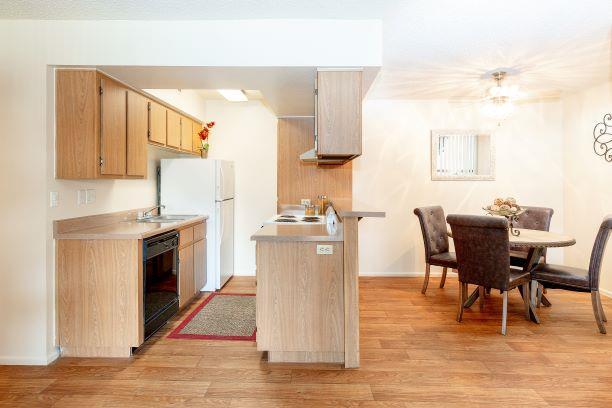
{"x": 147, "y": 213}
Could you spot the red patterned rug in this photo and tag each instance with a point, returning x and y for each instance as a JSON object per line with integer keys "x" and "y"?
{"x": 221, "y": 316}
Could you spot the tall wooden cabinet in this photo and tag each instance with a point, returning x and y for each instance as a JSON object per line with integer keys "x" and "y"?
{"x": 103, "y": 127}
{"x": 338, "y": 127}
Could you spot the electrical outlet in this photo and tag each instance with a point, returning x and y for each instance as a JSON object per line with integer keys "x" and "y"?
{"x": 90, "y": 196}
{"x": 305, "y": 201}
{"x": 53, "y": 199}
{"x": 81, "y": 197}
{"x": 325, "y": 249}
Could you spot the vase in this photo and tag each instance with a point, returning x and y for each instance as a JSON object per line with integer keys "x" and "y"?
{"x": 203, "y": 153}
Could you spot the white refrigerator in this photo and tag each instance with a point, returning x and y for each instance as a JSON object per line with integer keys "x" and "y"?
{"x": 196, "y": 186}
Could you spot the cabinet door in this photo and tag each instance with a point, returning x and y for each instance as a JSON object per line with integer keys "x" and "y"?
{"x": 157, "y": 123}
{"x": 174, "y": 129}
{"x": 113, "y": 115}
{"x": 186, "y": 278}
{"x": 199, "y": 264}
{"x": 186, "y": 134}
{"x": 196, "y": 144}
{"x": 137, "y": 128}
{"x": 339, "y": 113}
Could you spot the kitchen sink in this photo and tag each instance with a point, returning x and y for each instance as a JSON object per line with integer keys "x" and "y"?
{"x": 166, "y": 218}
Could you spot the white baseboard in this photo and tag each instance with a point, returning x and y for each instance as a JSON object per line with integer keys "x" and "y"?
{"x": 605, "y": 292}
{"x": 16, "y": 360}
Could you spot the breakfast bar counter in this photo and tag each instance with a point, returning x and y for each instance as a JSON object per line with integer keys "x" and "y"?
{"x": 308, "y": 291}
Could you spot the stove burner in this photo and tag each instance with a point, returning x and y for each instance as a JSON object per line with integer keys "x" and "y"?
{"x": 287, "y": 216}
{"x": 285, "y": 220}
{"x": 310, "y": 219}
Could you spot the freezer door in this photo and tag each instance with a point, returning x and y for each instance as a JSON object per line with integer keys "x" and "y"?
{"x": 225, "y": 238}
{"x": 225, "y": 180}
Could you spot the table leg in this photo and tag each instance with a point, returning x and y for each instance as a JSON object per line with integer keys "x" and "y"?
{"x": 532, "y": 261}
{"x": 532, "y": 310}
{"x": 472, "y": 298}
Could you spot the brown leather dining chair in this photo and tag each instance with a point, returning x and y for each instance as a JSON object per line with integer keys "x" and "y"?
{"x": 580, "y": 280}
{"x": 435, "y": 238}
{"x": 535, "y": 218}
{"x": 483, "y": 258}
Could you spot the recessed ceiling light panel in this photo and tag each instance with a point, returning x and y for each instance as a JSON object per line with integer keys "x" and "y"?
{"x": 233, "y": 95}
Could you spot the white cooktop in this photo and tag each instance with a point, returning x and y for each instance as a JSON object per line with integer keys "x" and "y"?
{"x": 296, "y": 219}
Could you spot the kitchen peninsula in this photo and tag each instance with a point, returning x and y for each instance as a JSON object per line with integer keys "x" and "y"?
{"x": 308, "y": 291}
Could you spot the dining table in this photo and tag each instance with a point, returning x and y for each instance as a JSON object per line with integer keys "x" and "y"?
{"x": 535, "y": 241}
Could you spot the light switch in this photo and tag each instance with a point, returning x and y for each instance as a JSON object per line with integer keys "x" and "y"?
{"x": 90, "y": 196}
{"x": 81, "y": 197}
{"x": 325, "y": 249}
{"x": 53, "y": 199}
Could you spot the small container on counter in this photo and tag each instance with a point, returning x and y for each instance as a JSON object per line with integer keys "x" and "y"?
{"x": 323, "y": 203}
{"x": 309, "y": 209}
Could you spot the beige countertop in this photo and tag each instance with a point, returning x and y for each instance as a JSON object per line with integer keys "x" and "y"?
{"x": 297, "y": 233}
{"x": 361, "y": 214}
{"x": 128, "y": 229}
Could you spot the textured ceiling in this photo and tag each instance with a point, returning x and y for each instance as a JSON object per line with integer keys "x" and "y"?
{"x": 432, "y": 49}
{"x": 191, "y": 9}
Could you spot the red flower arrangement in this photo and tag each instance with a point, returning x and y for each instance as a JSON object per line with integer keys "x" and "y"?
{"x": 204, "y": 133}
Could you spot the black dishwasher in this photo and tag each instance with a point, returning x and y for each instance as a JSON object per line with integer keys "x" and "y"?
{"x": 160, "y": 280}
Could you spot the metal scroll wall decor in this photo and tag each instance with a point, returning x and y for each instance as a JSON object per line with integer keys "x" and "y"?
{"x": 602, "y": 133}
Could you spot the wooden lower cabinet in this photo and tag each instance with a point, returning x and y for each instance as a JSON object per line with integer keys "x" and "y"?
{"x": 192, "y": 262}
{"x": 300, "y": 302}
{"x": 186, "y": 277}
{"x": 199, "y": 264}
{"x": 99, "y": 297}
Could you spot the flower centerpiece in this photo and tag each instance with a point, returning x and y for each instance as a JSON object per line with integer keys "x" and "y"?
{"x": 508, "y": 208}
{"x": 203, "y": 134}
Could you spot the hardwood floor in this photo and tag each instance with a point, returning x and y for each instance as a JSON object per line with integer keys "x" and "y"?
{"x": 413, "y": 353}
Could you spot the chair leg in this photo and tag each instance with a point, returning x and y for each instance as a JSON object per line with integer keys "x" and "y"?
{"x": 443, "y": 280}
{"x": 504, "y": 312}
{"x": 481, "y": 297}
{"x": 526, "y": 300}
{"x": 533, "y": 291}
{"x": 539, "y": 295}
{"x": 596, "y": 311}
{"x": 426, "y": 281}
{"x": 601, "y": 311}
{"x": 462, "y": 293}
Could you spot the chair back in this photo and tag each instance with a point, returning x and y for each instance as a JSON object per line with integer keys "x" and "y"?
{"x": 535, "y": 218}
{"x": 599, "y": 248}
{"x": 433, "y": 228}
{"x": 482, "y": 247}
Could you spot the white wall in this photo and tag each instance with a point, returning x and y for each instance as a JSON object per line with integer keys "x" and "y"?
{"x": 393, "y": 174}
{"x": 246, "y": 133}
{"x": 588, "y": 177}
{"x": 28, "y": 48}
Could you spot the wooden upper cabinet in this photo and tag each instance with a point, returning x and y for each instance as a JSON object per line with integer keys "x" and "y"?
{"x": 157, "y": 123}
{"x": 137, "y": 131}
{"x": 103, "y": 126}
{"x": 339, "y": 113}
{"x": 173, "y": 125}
{"x": 196, "y": 144}
{"x": 186, "y": 134}
{"x": 76, "y": 119}
{"x": 113, "y": 130}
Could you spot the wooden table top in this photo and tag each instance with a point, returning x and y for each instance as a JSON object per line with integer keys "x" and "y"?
{"x": 542, "y": 239}
{"x": 538, "y": 239}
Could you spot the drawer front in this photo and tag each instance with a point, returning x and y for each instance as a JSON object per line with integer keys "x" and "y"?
{"x": 185, "y": 236}
{"x": 199, "y": 231}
